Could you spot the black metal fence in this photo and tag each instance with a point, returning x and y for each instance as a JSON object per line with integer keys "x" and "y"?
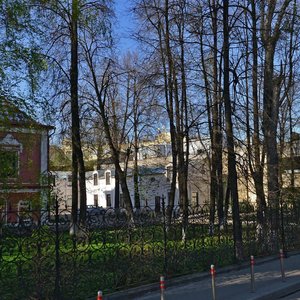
{"x": 40, "y": 259}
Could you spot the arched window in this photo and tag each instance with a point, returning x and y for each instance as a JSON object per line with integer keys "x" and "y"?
{"x": 95, "y": 179}
{"x": 107, "y": 178}
{"x": 10, "y": 150}
{"x": 108, "y": 200}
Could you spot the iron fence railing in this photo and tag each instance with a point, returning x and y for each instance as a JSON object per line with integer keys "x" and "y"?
{"x": 40, "y": 259}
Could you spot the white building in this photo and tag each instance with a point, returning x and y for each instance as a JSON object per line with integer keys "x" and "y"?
{"x": 155, "y": 174}
{"x": 100, "y": 187}
{"x": 62, "y": 186}
{"x": 154, "y": 183}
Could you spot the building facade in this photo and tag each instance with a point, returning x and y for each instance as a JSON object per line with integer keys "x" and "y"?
{"x": 153, "y": 184}
{"x": 154, "y": 177}
{"x": 24, "y": 160}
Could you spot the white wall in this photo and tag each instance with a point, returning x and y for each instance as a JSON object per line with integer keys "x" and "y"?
{"x": 151, "y": 185}
{"x": 102, "y": 189}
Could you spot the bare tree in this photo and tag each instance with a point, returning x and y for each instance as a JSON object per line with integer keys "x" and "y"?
{"x": 165, "y": 22}
{"x": 103, "y": 101}
{"x": 257, "y": 170}
{"x": 78, "y": 167}
{"x": 212, "y": 87}
{"x": 144, "y": 113}
{"x": 270, "y": 34}
{"x": 62, "y": 27}
{"x": 232, "y": 178}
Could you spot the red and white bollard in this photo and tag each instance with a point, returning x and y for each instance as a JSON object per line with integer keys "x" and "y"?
{"x": 281, "y": 256}
{"x": 252, "y": 272}
{"x": 99, "y": 297}
{"x": 213, "y": 281}
{"x": 162, "y": 287}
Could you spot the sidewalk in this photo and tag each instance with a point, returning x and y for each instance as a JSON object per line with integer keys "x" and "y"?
{"x": 232, "y": 283}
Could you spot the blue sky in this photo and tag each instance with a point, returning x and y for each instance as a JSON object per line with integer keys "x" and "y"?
{"x": 125, "y": 24}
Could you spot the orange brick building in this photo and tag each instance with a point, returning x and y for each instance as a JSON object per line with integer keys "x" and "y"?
{"x": 24, "y": 162}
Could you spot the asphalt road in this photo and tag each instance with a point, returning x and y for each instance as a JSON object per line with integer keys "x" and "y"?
{"x": 231, "y": 284}
{"x": 235, "y": 285}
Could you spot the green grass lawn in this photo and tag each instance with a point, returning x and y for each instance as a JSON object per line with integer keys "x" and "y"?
{"x": 32, "y": 265}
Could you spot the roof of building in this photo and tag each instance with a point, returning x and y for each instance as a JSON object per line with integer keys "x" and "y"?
{"x": 12, "y": 115}
{"x": 143, "y": 171}
{"x": 151, "y": 170}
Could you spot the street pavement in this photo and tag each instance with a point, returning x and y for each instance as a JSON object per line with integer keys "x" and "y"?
{"x": 232, "y": 283}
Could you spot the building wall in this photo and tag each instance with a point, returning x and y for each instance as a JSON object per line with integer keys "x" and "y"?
{"x": 29, "y": 157}
{"x": 27, "y": 186}
{"x": 153, "y": 154}
{"x": 20, "y": 201}
{"x": 62, "y": 187}
{"x": 100, "y": 191}
{"x": 151, "y": 186}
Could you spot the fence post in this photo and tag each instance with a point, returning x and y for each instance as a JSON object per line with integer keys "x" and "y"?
{"x": 252, "y": 272}
{"x": 282, "y": 224}
{"x": 99, "y": 296}
{"x": 281, "y": 256}
{"x": 213, "y": 283}
{"x": 57, "y": 254}
{"x": 162, "y": 287}
{"x": 165, "y": 233}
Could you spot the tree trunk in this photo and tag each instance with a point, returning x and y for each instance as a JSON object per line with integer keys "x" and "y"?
{"x": 270, "y": 134}
{"x": 117, "y": 191}
{"x": 182, "y": 125}
{"x": 168, "y": 66}
{"x": 270, "y": 33}
{"x": 232, "y": 173}
{"x": 116, "y": 160}
{"x": 217, "y": 161}
{"x": 77, "y": 157}
{"x": 211, "y": 128}
{"x": 258, "y": 171}
{"x": 137, "y": 202}
{"x": 101, "y": 95}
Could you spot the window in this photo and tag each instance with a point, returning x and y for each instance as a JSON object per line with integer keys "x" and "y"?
{"x": 96, "y": 200}
{"x": 9, "y": 162}
{"x": 108, "y": 200}
{"x": 200, "y": 151}
{"x": 69, "y": 180}
{"x": 159, "y": 151}
{"x": 157, "y": 204}
{"x": 24, "y": 212}
{"x": 169, "y": 197}
{"x": 10, "y": 150}
{"x": 96, "y": 179}
{"x": 169, "y": 174}
{"x": 24, "y": 206}
{"x": 195, "y": 199}
{"x": 107, "y": 178}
